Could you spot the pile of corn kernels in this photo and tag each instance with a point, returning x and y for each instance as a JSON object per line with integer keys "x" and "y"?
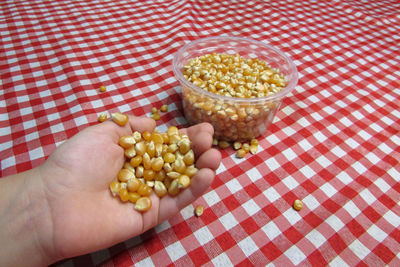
{"x": 237, "y": 77}
{"x": 162, "y": 163}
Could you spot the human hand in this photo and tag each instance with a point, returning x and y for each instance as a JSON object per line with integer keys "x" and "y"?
{"x": 81, "y": 215}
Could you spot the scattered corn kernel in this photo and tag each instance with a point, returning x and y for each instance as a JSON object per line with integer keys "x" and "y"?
{"x": 102, "y": 117}
{"x": 223, "y": 144}
{"x": 164, "y": 108}
{"x": 297, "y": 204}
{"x": 253, "y": 149}
{"x": 154, "y": 110}
{"x": 198, "y": 211}
{"x": 237, "y": 145}
{"x": 241, "y": 153}
{"x": 246, "y": 147}
{"x": 102, "y": 88}
{"x": 119, "y": 118}
{"x": 156, "y": 116}
{"x": 254, "y": 142}
{"x": 215, "y": 142}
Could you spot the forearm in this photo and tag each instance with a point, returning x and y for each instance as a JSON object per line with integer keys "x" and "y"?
{"x": 22, "y": 213}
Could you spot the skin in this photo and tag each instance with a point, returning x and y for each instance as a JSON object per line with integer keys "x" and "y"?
{"x": 64, "y": 208}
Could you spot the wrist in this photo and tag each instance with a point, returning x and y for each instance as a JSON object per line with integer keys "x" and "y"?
{"x": 25, "y": 220}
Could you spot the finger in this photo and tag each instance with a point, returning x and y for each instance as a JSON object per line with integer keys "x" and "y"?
{"x": 141, "y": 124}
{"x": 200, "y": 183}
{"x": 201, "y": 127}
{"x": 201, "y": 142}
{"x": 209, "y": 159}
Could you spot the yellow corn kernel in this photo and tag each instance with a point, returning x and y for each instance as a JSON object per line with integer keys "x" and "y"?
{"x": 160, "y": 189}
{"x": 124, "y": 175}
{"x": 140, "y": 148}
{"x": 173, "y": 188}
{"x": 154, "y": 110}
{"x": 174, "y": 138}
{"x": 123, "y": 194}
{"x": 157, "y": 164}
{"x": 246, "y": 147}
{"x": 173, "y": 175}
{"x": 146, "y": 135}
{"x": 135, "y": 161}
{"x": 137, "y": 136}
{"x": 237, "y": 145}
{"x": 184, "y": 146}
{"x": 133, "y": 185}
{"x": 164, "y": 108}
{"x": 144, "y": 190}
{"x": 169, "y": 157}
{"x": 172, "y": 148}
{"x": 184, "y": 181}
{"x": 198, "y": 211}
{"x": 215, "y": 142}
{"x": 157, "y": 138}
{"x": 102, "y": 117}
{"x": 253, "y": 149}
{"x": 165, "y": 138}
{"x": 179, "y": 165}
{"x": 172, "y": 130}
{"x": 191, "y": 171}
{"x": 146, "y": 161}
{"x": 156, "y": 116}
{"x": 241, "y": 153}
{"x": 148, "y": 175}
{"x": 254, "y": 142}
{"x": 151, "y": 149}
{"x": 223, "y": 144}
{"x": 160, "y": 175}
{"x": 102, "y": 88}
{"x": 167, "y": 167}
{"x": 150, "y": 183}
{"x": 115, "y": 186}
{"x": 143, "y": 204}
{"x": 297, "y": 204}
{"x": 126, "y": 141}
{"x": 130, "y": 152}
{"x": 133, "y": 197}
{"x": 128, "y": 166}
{"x": 139, "y": 171}
{"x": 189, "y": 158}
{"x": 119, "y": 118}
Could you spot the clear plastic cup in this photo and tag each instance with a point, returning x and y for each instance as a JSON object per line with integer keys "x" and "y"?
{"x": 243, "y": 118}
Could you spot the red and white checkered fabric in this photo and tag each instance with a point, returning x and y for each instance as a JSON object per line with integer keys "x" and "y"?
{"x": 335, "y": 143}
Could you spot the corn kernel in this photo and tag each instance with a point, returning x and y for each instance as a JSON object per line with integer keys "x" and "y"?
{"x": 254, "y": 142}
{"x": 144, "y": 190}
{"x": 143, "y": 204}
{"x": 133, "y": 185}
{"x": 102, "y": 117}
{"x": 297, "y": 204}
{"x": 154, "y": 110}
{"x": 191, "y": 171}
{"x": 124, "y": 175}
{"x": 173, "y": 188}
{"x": 189, "y": 158}
{"x": 119, "y": 118}
{"x": 172, "y": 130}
{"x": 149, "y": 174}
{"x": 169, "y": 157}
{"x": 164, "y": 108}
{"x": 246, "y": 147}
{"x": 160, "y": 189}
{"x": 184, "y": 181}
{"x": 146, "y": 135}
{"x": 241, "y": 153}
{"x": 237, "y": 145}
{"x": 102, "y": 88}
{"x": 156, "y": 116}
{"x": 133, "y": 197}
{"x": 123, "y": 194}
{"x": 223, "y": 144}
{"x": 130, "y": 152}
{"x": 115, "y": 187}
{"x": 135, "y": 161}
{"x": 160, "y": 176}
{"x": 198, "y": 211}
{"x": 126, "y": 141}
{"x": 253, "y": 149}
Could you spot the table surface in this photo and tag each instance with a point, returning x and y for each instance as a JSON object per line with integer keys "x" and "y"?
{"x": 334, "y": 144}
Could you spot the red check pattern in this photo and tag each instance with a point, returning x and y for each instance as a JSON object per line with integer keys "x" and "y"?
{"x": 335, "y": 143}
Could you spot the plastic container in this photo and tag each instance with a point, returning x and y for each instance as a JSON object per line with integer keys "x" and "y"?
{"x": 255, "y": 114}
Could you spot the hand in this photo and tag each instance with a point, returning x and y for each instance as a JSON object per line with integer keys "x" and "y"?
{"x": 79, "y": 214}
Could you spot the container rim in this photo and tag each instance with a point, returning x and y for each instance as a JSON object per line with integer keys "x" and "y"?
{"x": 279, "y": 95}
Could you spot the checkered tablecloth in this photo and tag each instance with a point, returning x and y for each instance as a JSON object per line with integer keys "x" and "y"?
{"x": 335, "y": 143}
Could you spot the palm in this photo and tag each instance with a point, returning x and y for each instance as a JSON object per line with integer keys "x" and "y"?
{"x": 85, "y": 216}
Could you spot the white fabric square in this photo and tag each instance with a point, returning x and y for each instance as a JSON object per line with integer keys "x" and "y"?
{"x": 295, "y": 255}
{"x": 211, "y": 198}
{"x": 359, "y": 249}
{"x": 251, "y": 207}
{"x": 228, "y": 221}
{"x": 248, "y": 246}
{"x": 234, "y": 186}
{"x": 203, "y": 235}
{"x": 175, "y": 251}
{"x": 271, "y": 230}
{"x": 316, "y": 238}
